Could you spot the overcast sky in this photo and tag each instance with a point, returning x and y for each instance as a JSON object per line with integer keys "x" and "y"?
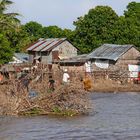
{"x": 61, "y": 12}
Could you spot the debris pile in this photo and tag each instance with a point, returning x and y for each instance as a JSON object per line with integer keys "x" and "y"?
{"x": 17, "y": 99}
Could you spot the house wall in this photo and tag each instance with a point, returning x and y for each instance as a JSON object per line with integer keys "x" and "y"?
{"x": 66, "y": 50}
{"x": 73, "y": 70}
{"x": 46, "y": 57}
{"x": 31, "y": 56}
{"x": 130, "y": 57}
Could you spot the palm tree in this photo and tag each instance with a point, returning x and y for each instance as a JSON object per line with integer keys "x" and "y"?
{"x": 4, "y": 4}
{"x": 7, "y": 20}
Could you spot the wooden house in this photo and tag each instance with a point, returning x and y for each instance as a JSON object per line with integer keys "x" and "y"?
{"x": 49, "y": 50}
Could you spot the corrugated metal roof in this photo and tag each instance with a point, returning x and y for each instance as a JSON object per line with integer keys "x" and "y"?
{"x": 22, "y": 56}
{"x": 35, "y": 45}
{"x": 43, "y": 45}
{"x": 109, "y": 51}
{"x": 79, "y": 58}
{"x": 46, "y": 44}
{"x": 50, "y": 45}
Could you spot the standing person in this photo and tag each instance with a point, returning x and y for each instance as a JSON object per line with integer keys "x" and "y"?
{"x": 51, "y": 83}
{"x": 66, "y": 77}
{"x": 25, "y": 83}
{"x": 88, "y": 68}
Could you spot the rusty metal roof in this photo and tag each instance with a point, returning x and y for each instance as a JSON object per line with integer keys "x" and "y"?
{"x": 46, "y": 44}
{"x": 109, "y": 51}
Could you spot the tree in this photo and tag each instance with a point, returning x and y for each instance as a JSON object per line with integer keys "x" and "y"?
{"x": 5, "y": 52}
{"x": 34, "y": 29}
{"x": 95, "y": 28}
{"x": 128, "y": 26}
{"x": 133, "y": 10}
{"x": 8, "y": 24}
{"x": 69, "y": 34}
{"x": 52, "y": 32}
{"x": 19, "y": 40}
{"x": 4, "y": 4}
{"x": 7, "y": 20}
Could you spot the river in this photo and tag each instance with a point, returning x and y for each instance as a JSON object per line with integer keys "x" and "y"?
{"x": 116, "y": 117}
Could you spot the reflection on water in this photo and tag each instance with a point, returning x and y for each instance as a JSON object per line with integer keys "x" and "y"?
{"x": 117, "y": 117}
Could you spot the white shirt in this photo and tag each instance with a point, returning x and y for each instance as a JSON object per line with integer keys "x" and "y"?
{"x": 66, "y": 77}
{"x": 88, "y": 66}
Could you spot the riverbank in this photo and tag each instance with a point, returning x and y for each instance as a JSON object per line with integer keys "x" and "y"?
{"x": 112, "y": 86}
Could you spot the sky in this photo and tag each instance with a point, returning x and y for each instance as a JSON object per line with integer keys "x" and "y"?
{"x": 61, "y": 13}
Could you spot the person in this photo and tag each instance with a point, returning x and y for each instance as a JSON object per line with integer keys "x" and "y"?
{"x": 1, "y": 77}
{"x": 88, "y": 67}
{"x": 51, "y": 83}
{"x": 66, "y": 77}
{"x": 5, "y": 73}
{"x": 25, "y": 83}
{"x": 87, "y": 82}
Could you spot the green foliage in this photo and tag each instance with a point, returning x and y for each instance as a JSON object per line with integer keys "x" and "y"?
{"x": 4, "y": 4}
{"x": 52, "y": 32}
{"x": 8, "y": 24}
{"x": 95, "y": 28}
{"x": 126, "y": 32}
{"x": 20, "y": 39}
{"x": 7, "y": 20}
{"x": 127, "y": 28}
{"x": 133, "y": 10}
{"x": 66, "y": 112}
{"x": 56, "y": 109}
{"x": 34, "y": 29}
{"x": 32, "y": 112}
{"x": 5, "y": 52}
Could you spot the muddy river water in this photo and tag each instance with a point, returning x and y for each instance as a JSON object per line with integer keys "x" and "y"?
{"x": 116, "y": 117}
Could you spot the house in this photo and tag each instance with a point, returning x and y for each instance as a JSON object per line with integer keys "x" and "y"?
{"x": 112, "y": 57}
{"x": 52, "y": 49}
{"x": 112, "y": 61}
{"x": 19, "y": 58}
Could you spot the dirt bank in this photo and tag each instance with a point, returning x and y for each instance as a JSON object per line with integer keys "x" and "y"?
{"x": 112, "y": 86}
